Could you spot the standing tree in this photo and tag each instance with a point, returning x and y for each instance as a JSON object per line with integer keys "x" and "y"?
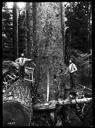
{"x": 50, "y": 46}
{"x": 7, "y": 32}
{"x": 29, "y": 25}
{"x": 32, "y": 48}
{"x": 15, "y": 29}
{"x": 22, "y": 31}
{"x": 34, "y": 6}
{"x": 78, "y": 16}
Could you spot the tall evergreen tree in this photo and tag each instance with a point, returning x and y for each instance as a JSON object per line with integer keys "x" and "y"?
{"x": 15, "y": 29}
{"x": 22, "y": 32}
{"x": 7, "y": 31}
{"x": 78, "y": 16}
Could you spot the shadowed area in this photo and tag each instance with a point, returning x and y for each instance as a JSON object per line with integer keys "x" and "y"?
{"x": 14, "y": 114}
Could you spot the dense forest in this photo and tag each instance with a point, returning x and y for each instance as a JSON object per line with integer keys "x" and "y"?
{"x": 47, "y": 32}
{"x": 76, "y": 25}
{"x": 50, "y": 33}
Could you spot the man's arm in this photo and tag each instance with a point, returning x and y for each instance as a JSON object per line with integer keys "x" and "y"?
{"x": 26, "y": 59}
{"x": 17, "y": 60}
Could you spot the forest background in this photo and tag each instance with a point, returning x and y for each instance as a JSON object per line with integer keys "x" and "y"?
{"x": 49, "y": 33}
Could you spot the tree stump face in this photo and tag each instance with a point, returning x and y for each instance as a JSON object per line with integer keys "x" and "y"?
{"x": 17, "y": 105}
{"x": 15, "y": 114}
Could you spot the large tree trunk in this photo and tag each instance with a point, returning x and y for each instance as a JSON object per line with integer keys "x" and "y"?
{"x": 31, "y": 40}
{"x": 15, "y": 30}
{"x": 27, "y": 21}
{"x": 34, "y": 31}
{"x": 62, "y": 12}
{"x": 45, "y": 37}
{"x": 50, "y": 42}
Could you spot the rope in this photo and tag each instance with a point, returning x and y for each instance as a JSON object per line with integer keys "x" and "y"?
{"x": 85, "y": 87}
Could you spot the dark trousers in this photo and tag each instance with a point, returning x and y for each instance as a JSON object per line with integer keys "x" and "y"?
{"x": 72, "y": 80}
{"x": 21, "y": 72}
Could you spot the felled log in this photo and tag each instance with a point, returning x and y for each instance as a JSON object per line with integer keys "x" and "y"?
{"x": 52, "y": 104}
{"x": 74, "y": 101}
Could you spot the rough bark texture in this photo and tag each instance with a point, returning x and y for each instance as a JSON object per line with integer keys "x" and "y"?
{"x": 15, "y": 40}
{"x": 49, "y": 44}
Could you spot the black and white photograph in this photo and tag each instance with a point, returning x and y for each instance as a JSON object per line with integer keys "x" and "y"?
{"x": 47, "y": 64}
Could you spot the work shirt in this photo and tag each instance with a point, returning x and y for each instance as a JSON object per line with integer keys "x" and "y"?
{"x": 72, "y": 68}
{"x": 21, "y": 61}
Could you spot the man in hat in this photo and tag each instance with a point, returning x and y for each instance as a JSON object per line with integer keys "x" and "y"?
{"x": 71, "y": 69}
{"x": 21, "y": 62}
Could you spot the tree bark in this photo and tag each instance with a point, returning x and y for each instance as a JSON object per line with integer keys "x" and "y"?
{"x": 28, "y": 27}
{"x": 34, "y": 31}
{"x": 62, "y": 27}
{"x": 15, "y": 30}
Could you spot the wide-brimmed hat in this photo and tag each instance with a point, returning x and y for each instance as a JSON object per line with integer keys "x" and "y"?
{"x": 22, "y": 54}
